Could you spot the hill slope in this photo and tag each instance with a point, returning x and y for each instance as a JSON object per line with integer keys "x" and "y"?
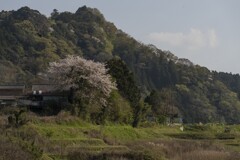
{"x": 29, "y": 41}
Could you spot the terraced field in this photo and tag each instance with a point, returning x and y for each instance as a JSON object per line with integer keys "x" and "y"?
{"x": 49, "y": 138}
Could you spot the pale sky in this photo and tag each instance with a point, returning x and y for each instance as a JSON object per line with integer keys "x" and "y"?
{"x": 207, "y": 32}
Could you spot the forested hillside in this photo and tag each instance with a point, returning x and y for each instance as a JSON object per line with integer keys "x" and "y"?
{"x": 173, "y": 87}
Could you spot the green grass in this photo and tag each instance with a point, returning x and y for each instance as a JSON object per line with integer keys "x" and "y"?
{"x": 193, "y": 135}
{"x": 81, "y": 142}
{"x": 58, "y": 137}
{"x": 117, "y": 132}
{"x": 60, "y": 132}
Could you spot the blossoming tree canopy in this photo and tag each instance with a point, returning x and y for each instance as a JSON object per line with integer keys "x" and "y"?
{"x": 87, "y": 77}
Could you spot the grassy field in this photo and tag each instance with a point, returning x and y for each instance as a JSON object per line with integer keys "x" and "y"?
{"x": 67, "y": 137}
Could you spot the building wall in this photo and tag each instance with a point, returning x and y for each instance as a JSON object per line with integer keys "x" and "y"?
{"x": 11, "y": 92}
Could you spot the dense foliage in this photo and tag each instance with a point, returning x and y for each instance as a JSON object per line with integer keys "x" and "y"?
{"x": 29, "y": 41}
{"x": 128, "y": 88}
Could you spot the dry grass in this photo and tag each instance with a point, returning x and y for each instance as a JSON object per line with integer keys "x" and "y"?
{"x": 61, "y": 118}
{"x": 3, "y": 120}
{"x": 183, "y": 150}
{"x": 10, "y": 151}
{"x": 207, "y": 155}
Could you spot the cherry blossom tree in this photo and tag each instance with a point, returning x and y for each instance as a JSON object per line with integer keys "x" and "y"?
{"x": 87, "y": 78}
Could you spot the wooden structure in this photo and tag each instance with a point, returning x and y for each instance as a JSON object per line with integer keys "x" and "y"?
{"x": 10, "y": 94}
{"x": 38, "y": 95}
{"x": 44, "y": 93}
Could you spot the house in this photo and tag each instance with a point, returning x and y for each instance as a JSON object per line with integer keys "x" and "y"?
{"x": 44, "y": 93}
{"x": 47, "y": 92}
{"x": 10, "y": 94}
{"x": 36, "y": 96}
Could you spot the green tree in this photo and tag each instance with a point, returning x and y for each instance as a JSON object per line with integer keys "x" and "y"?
{"x": 127, "y": 86}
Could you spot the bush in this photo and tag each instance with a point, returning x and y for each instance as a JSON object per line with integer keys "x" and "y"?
{"x": 119, "y": 110}
{"x": 18, "y": 118}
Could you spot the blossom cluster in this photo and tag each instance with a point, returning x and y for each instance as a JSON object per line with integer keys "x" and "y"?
{"x": 84, "y": 75}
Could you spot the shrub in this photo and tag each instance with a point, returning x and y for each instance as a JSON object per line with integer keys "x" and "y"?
{"x": 18, "y": 118}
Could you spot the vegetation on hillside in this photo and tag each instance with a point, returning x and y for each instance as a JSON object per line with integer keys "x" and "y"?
{"x": 173, "y": 86}
{"x": 87, "y": 55}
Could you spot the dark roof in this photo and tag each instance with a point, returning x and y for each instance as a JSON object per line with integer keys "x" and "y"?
{"x": 12, "y": 86}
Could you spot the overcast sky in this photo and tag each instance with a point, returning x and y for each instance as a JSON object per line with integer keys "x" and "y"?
{"x": 207, "y": 32}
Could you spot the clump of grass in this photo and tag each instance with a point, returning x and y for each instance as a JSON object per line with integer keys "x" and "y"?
{"x": 121, "y": 133}
{"x": 192, "y": 135}
{"x": 206, "y": 155}
{"x": 45, "y": 157}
